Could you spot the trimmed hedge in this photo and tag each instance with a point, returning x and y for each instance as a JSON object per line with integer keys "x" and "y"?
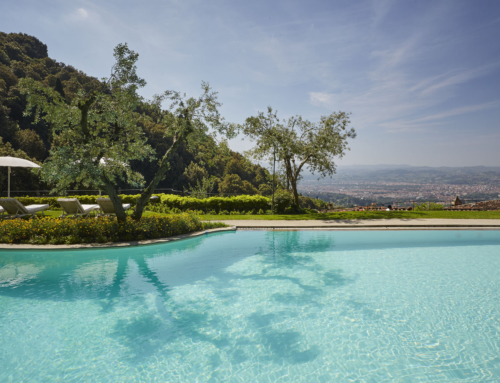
{"x": 105, "y": 229}
{"x": 217, "y": 204}
{"x": 237, "y": 203}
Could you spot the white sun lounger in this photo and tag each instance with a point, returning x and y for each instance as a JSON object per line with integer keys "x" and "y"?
{"x": 71, "y": 206}
{"x": 16, "y": 209}
{"x": 107, "y": 207}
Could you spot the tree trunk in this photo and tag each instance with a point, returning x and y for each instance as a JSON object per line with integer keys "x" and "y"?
{"x": 117, "y": 203}
{"x": 293, "y": 182}
{"x": 288, "y": 172}
{"x": 143, "y": 200}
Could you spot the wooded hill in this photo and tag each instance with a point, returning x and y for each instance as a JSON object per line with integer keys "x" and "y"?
{"x": 23, "y": 56}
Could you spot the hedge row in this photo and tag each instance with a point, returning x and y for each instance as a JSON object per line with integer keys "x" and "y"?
{"x": 217, "y": 204}
{"x": 105, "y": 229}
{"x": 238, "y": 203}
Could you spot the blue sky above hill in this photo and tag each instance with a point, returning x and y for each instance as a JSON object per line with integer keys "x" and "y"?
{"x": 421, "y": 78}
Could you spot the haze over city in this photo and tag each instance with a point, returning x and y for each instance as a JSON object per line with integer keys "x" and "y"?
{"x": 421, "y": 79}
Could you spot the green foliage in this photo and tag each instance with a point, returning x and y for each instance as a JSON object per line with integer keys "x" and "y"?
{"x": 312, "y": 203}
{"x": 158, "y": 208}
{"x": 297, "y": 142}
{"x": 195, "y": 173}
{"x": 29, "y": 142}
{"x": 25, "y": 57}
{"x": 233, "y": 184}
{"x": 203, "y": 188}
{"x": 240, "y": 203}
{"x": 428, "y": 206}
{"x": 282, "y": 201}
{"x": 96, "y": 135}
{"x": 68, "y": 231}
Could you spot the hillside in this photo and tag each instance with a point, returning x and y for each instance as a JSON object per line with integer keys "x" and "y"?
{"x": 22, "y": 56}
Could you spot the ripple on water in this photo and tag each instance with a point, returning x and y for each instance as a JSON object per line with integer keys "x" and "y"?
{"x": 257, "y": 306}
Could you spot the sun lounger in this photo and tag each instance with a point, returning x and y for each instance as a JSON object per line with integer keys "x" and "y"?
{"x": 107, "y": 207}
{"x": 71, "y": 206}
{"x": 16, "y": 209}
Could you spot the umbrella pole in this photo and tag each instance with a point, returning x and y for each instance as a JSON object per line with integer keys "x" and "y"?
{"x": 8, "y": 183}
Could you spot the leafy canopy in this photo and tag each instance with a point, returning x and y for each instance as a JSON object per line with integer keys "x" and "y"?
{"x": 298, "y": 142}
{"x": 96, "y": 134}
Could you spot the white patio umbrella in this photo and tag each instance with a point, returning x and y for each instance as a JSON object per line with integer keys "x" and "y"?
{"x": 15, "y": 162}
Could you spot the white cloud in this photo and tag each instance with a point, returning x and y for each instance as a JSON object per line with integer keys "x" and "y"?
{"x": 83, "y": 13}
{"x": 462, "y": 110}
{"x": 458, "y": 78}
{"x": 431, "y": 121}
{"x": 322, "y": 99}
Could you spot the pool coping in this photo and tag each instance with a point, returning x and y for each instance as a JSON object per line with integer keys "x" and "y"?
{"x": 22, "y": 246}
{"x": 371, "y": 224}
{"x": 367, "y": 227}
{"x": 266, "y": 225}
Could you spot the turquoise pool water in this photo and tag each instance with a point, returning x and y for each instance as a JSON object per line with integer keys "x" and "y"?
{"x": 257, "y": 306}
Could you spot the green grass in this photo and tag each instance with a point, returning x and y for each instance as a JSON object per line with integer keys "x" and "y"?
{"x": 363, "y": 215}
{"x": 340, "y": 215}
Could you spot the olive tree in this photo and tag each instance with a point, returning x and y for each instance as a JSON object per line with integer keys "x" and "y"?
{"x": 298, "y": 143}
{"x": 98, "y": 133}
{"x": 183, "y": 119}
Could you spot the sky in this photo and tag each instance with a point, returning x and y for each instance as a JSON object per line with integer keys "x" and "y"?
{"x": 421, "y": 79}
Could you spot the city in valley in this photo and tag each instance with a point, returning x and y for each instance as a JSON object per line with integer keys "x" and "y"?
{"x": 364, "y": 185}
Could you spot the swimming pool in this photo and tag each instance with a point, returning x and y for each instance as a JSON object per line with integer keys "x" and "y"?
{"x": 257, "y": 306}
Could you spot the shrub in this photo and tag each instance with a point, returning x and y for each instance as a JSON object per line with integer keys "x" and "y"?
{"x": 104, "y": 229}
{"x": 242, "y": 202}
{"x": 157, "y": 208}
{"x": 309, "y": 211}
{"x": 223, "y": 212}
{"x": 427, "y": 206}
{"x": 212, "y": 212}
{"x": 312, "y": 203}
{"x": 236, "y": 212}
{"x": 176, "y": 211}
{"x": 282, "y": 200}
{"x": 260, "y": 212}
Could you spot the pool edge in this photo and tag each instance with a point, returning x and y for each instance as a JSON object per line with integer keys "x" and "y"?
{"x": 5, "y": 246}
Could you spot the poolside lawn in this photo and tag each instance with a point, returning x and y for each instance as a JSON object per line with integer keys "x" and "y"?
{"x": 340, "y": 215}
{"x": 363, "y": 215}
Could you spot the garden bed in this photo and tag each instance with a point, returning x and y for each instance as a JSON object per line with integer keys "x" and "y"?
{"x": 43, "y": 231}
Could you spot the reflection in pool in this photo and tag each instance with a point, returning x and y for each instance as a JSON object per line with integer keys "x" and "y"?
{"x": 257, "y": 306}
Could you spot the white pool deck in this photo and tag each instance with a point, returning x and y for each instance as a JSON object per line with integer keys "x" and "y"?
{"x": 367, "y": 224}
{"x": 349, "y": 224}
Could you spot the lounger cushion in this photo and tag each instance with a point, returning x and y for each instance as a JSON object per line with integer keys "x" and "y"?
{"x": 35, "y": 208}
{"x": 88, "y": 208}
{"x": 73, "y": 206}
{"x": 13, "y": 207}
{"x": 107, "y": 206}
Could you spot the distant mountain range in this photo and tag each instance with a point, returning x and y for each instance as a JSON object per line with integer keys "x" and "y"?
{"x": 413, "y": 174}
